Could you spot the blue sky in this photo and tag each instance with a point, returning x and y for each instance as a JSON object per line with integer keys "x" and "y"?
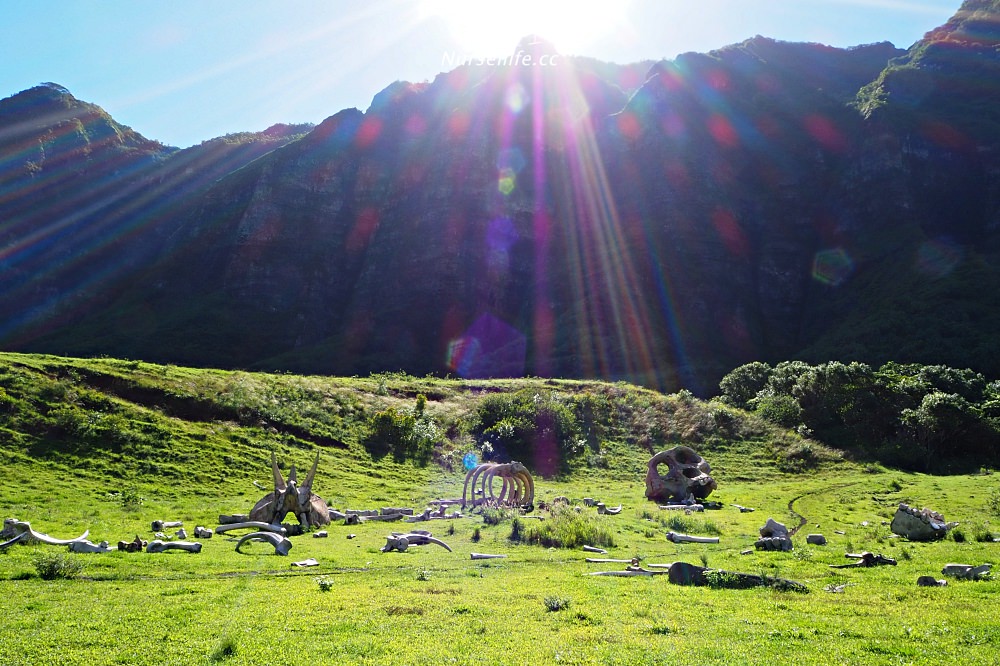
{"x": 189, "y": 70}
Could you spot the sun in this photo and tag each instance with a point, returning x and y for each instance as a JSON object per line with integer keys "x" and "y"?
{"x": 492, "y": 28}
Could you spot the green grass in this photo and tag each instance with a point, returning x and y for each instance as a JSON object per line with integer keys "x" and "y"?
{"x": 189, "y": 443}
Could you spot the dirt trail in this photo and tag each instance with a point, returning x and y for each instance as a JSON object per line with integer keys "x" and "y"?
{"x": 802, "y": 519}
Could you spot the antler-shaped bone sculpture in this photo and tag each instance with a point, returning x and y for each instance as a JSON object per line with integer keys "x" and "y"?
{"x": 288, "y": 497}
{"x": 517, "y": 489}
{"x": 401, "y": 542}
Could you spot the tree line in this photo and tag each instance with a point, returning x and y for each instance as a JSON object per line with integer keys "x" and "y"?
{"x": 930, "y": 418}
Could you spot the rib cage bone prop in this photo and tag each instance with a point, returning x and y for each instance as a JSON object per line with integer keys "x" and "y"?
{"x": 288, "y": 497}
{"x": 687, "y": 479}
{"x": 517, "y": 489}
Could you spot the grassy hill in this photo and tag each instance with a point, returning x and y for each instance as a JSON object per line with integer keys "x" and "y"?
{"x": 111, "y": 445}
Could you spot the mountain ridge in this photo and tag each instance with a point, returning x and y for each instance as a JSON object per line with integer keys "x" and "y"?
{"x": 737, "y": 205}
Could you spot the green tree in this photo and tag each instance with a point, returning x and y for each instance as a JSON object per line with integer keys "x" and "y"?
{"x": 743, "y": 384}
{"x": 941, "y": 419}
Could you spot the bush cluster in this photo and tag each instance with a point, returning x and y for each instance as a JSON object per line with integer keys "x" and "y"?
{"x": 406, "y": 434}
{"x": 903, "y": 414}
{"x": 536, "y": 428}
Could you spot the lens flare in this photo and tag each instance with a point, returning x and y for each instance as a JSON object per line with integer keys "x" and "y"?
{"x": 507, "y": 181}
{"x": 832, "y": 267}
{"x": 470, "y": 460}
{"x": 936, "y": 258}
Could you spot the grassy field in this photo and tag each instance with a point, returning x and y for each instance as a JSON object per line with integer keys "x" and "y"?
{"x": 110, "y": 445}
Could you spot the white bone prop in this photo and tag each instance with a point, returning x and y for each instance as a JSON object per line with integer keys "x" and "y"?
{"x": 686, "y": 538}
{"x": 90, "y": 547}
{"x": 157, "y": 546}
{"x": 401, "y": 542}
{"x": 254, "y": 524}
{"x": 281, "y": 544}
{"x": 21, "y": 527}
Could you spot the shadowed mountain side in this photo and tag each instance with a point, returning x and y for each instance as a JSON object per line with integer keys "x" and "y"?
{"x": 571, "y": 220}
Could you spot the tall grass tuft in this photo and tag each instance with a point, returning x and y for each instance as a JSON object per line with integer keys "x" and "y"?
{"x": 224, "y": 649}
{"x": 568, "y": 529}
{"x": 554, "y": 603}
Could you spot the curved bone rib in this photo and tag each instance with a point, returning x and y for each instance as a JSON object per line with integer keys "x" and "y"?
{"x": 255, "y": 524}
{"x": 20, "y": 537}
{"x": 281, "y": 544}
{"x": 25, "y": 528}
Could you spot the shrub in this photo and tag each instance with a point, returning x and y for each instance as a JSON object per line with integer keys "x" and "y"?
{"x": 993, "y": 503}
{"x": 743, "y": 384}
{"x": 51, "y": 566}
{"x": 516, "y": 530}
{"x": 982, "y": 533}
{"x": 722, "y": 580}
{"x": 325, "y": 583}
{"x": 782, "y": 410}
{"x": 554, "y": 604}
{"x": 127, "y": 498}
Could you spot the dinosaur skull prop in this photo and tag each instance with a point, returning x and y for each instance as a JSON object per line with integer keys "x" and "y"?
{"x": 289, "y": 497}
{"x": 687, "y": 478}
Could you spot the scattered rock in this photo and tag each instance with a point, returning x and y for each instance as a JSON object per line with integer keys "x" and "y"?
{"x": 931, "y": 581}
{"x": 966, "y": 571}
{"x": 919, "y": 525}
{"x": 816, "y": 539}
{"x": 774, "y": 536}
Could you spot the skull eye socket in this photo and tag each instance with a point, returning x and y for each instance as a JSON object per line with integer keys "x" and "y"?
{"x": 691, "y": 472}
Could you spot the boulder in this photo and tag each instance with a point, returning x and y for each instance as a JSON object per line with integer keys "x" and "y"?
{"x": 919, "y": 525}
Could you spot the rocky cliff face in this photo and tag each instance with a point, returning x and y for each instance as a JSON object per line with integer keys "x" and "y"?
{"x": 764, "y": 201}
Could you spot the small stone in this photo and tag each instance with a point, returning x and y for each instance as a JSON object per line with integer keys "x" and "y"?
{"x": 931, "y": 581}
{"x": 816, "y": 539}
{"x": 957, "y": 570}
